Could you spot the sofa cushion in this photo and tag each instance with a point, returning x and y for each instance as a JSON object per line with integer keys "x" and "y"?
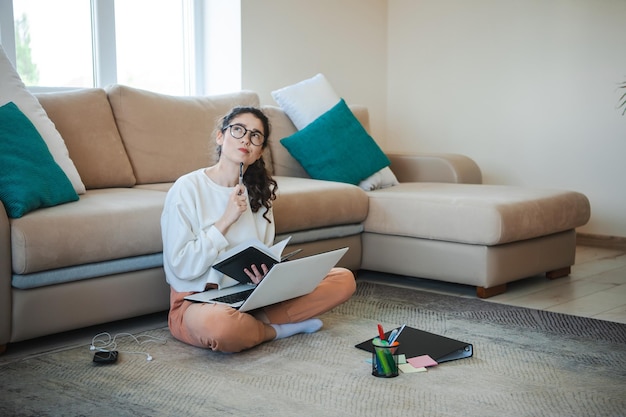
{"x": 472, "y": 213}
{"x": 104, "y": 224}
{"x": 307, "y": 100}
{"x": 12, "y": 89}
{"x": 168, "y": 136}
{"x": 304, "y": 204}
{"x": 29, "y": 176}
{"x": 335, "y": 147}
{"x": 85, "y": 120}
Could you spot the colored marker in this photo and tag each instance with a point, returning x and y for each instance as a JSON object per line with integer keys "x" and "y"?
{"x": 397, "y": 334}
{"x": 382, "y": 358}
{"x": 381, "y": 332}
{"x": 392, "y": 336}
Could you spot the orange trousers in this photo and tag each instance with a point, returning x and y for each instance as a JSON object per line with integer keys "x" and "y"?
{"x": 222, "y": 328}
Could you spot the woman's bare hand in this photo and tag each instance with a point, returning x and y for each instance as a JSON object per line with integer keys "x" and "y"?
{"x": 237, "y": 204}
{"x": 255, "y": 275}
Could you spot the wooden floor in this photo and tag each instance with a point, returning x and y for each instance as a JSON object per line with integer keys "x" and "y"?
{"x": 595, "y": 288}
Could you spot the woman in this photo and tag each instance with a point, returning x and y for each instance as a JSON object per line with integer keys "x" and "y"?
{"x": 207, "y": 212}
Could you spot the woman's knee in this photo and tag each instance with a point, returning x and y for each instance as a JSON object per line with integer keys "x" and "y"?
{"x": 346, "y": 282}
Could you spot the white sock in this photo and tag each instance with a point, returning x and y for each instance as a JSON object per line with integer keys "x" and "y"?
{"x": 289, "y": 329}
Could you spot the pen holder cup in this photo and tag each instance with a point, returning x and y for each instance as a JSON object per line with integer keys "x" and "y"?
{"x": 384, "y": 359}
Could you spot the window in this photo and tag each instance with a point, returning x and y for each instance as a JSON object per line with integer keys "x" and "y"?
{"x": 151, "y": 46}
{"x": 158, "y": 45}
{"x": 53, "y": 52}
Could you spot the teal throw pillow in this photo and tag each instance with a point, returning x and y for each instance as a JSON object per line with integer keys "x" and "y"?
{"x": 29, "y": 176}
{"x": 336, "y": 147}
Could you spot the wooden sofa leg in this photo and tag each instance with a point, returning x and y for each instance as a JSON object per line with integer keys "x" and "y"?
{"x": 483, "y": 292}
{"x": 3, "y": 348}
{"x": 559, "y": 273}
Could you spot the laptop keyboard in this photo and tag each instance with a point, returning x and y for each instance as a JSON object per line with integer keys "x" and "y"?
{"x": 234, "y": 298}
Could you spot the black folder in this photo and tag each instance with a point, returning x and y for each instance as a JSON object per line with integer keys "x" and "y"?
{"x": 415, "y": 342}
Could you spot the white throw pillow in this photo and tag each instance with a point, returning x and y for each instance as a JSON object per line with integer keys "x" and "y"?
{"x": 13, "y": 89}
{"x": 307, "y": 100}
{"x": 381, "y": 179}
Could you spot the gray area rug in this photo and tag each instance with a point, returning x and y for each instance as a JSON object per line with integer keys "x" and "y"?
{"x": 525, "y": 363}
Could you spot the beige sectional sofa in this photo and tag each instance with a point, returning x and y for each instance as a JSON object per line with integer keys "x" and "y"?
{"x": 98, "y": 259}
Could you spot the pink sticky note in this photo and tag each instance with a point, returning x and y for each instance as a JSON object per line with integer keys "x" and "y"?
{"x": 422, "y": 361}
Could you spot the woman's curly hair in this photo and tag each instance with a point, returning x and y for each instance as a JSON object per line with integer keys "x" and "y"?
{"x": 261, "y": 186}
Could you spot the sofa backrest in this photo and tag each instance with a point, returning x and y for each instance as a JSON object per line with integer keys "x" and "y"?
{"x": 124, "y": 136}
{"x": 85, "y": 121}
{"x": 168, "y": 136}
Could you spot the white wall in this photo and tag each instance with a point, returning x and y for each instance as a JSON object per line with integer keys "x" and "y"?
{"x": 286, "y": 41}
{"x": 527, "y": 88}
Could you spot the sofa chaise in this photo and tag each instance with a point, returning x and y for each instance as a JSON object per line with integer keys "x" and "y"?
{"x": 98, "y": 259}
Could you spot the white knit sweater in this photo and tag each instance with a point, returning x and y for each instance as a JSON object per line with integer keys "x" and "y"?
{"x": 192, "y": 243}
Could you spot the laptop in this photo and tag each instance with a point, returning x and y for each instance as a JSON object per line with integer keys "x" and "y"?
{"x": 286, "y": 280}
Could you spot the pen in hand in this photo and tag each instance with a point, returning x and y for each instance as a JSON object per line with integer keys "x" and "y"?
{"x": 241, "y": 176}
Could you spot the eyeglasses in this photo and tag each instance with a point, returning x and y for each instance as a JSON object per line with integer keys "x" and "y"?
{"x": 239, "y": 131}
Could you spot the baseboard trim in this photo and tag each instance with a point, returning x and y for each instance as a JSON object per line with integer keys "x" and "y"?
{"x": 601, "y": 241}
